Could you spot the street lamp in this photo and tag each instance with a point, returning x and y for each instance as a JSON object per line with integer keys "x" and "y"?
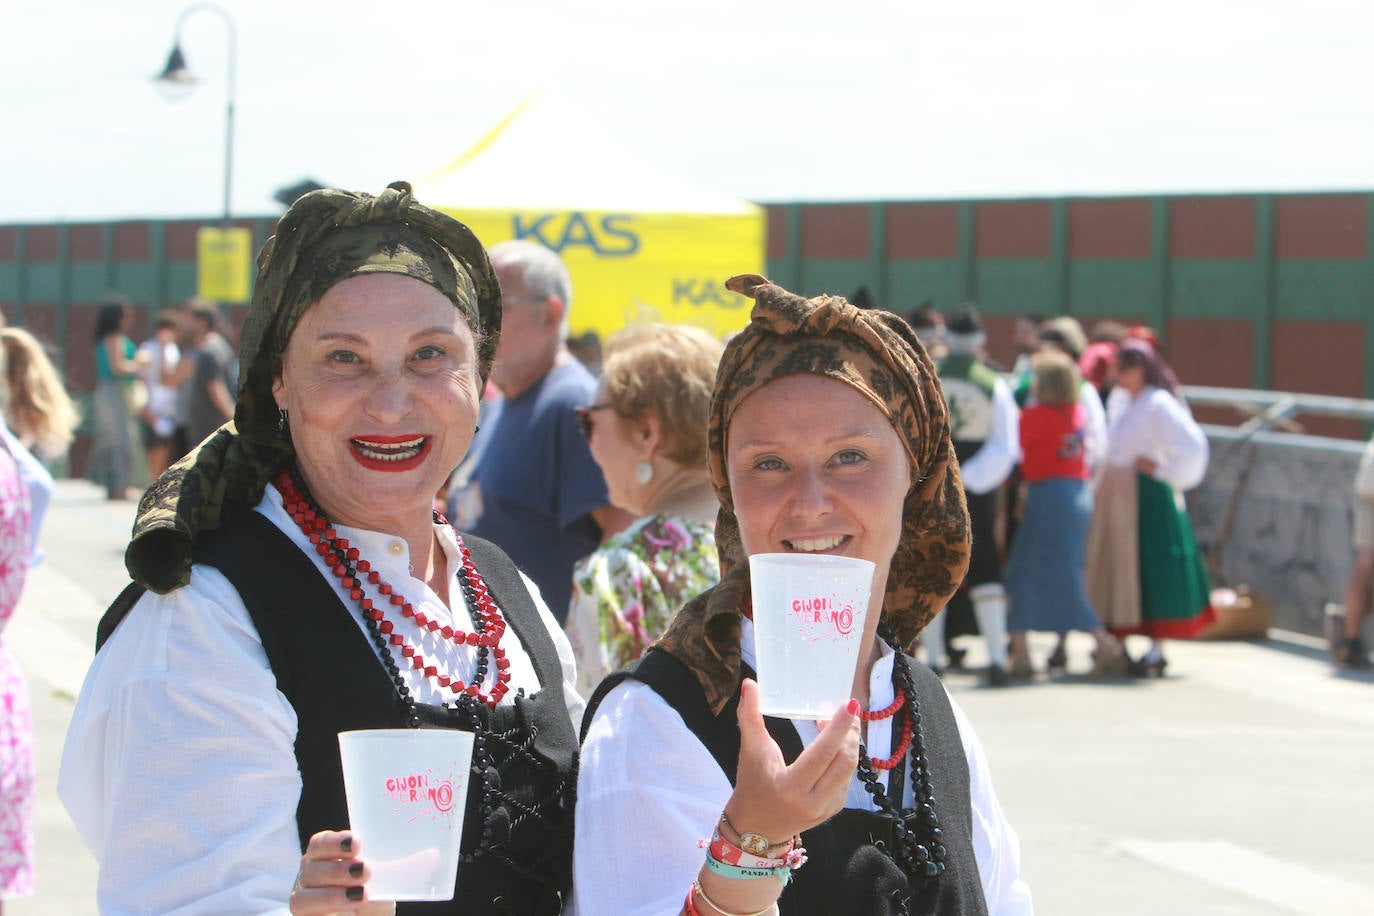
{"x": 177, "y": 74}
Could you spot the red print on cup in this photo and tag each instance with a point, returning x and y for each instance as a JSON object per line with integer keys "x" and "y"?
{"x": 819, "y": 614}
{"x": 417, "y": 790}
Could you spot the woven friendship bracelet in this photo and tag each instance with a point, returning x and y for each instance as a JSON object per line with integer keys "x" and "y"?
{"x": 782, "y": 872}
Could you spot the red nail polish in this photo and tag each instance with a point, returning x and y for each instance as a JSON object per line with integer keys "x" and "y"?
{"x": 853, "y": 707}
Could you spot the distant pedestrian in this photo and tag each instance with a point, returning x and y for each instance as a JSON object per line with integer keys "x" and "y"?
{"x": 116, "y": 372}
{"x": 1145, "y": 575}
{"x": 1351, "y": 652}
{"x": 158, "y": 421}
{"x": 982, "y": 419}
{"x": 1044, "y": 575}
{"x": 209, "y": 374}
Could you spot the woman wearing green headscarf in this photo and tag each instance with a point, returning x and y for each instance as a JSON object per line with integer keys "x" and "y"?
{"x": 292, "y": 581}
{"x": 829, "y": 435}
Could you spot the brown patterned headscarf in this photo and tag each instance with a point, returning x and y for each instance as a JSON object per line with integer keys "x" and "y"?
{"x": 327, "y": 236}
{"x": 878, "y": 354}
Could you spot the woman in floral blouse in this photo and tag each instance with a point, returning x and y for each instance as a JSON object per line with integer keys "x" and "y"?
{"x": 647, "y": 430}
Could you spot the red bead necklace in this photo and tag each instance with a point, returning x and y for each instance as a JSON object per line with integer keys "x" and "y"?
{"x": 315, "y": 526}
{"x": 887, "y": 711}
{"x": 890, "y": 762}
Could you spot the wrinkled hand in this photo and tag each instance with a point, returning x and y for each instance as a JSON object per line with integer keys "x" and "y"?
{"x": 780, "y": 801}
{"x": 330, "y": 870}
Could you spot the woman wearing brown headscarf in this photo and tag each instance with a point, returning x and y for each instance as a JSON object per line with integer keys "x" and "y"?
{"x": 828, "y": 434}
{"x": 202, "y": 756}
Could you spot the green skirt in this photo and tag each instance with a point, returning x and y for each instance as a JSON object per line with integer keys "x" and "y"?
{"x": 1175, "y": 592}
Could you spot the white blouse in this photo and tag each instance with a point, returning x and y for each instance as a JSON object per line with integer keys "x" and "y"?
{"x": 179, "y": 768}
{"x": 1156, "y": 425}
{"x": 648, "y": 789}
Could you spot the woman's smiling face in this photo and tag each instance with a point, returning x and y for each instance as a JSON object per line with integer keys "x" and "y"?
{"x": 380, "y": 382}
{"x": 815, "y": 467}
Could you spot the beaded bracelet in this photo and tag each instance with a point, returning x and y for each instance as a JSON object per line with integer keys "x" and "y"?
{"x": 692, "y": 910}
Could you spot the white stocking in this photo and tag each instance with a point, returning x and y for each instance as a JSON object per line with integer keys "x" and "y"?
{"x": 933, "y": 640}
{"x": 990, "y": 607}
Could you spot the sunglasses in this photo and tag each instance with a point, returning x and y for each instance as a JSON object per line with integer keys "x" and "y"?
{"x": 584, "y": 418}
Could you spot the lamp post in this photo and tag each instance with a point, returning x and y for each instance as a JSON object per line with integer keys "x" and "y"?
{"x": 176, "y": 73}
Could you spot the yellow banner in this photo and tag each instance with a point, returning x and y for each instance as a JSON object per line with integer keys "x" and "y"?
{"x": 629, "y": 268}
{"x": 224, "y": 261}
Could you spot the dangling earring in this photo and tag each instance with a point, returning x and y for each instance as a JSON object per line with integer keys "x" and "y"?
{"x": 283, "y": 423}
{"x": 644, "y": 472}
{"x": 476, "y": 428}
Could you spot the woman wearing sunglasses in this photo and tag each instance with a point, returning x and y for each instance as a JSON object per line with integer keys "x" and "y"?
{"x": 647, "y": 431}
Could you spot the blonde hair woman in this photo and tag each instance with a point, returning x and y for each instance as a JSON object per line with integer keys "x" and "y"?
{"x": 647, "y": 432}
{"x": 39, "y": 412}
{"x": 39, "y": 416}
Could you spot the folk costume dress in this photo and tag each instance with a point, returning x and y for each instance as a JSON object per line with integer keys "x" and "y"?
{"x": 1144, "y": 572}
{"x": 186, "y": 686}
{"x": 203, "y": 750}
{"x": 661, "y": 741}
{"x": 1044, "y": 575}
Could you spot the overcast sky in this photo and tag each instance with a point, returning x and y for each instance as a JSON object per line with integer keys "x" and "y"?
{"x": 770, "y": 100}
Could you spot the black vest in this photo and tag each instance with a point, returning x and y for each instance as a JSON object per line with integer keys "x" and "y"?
{"x": 846, "y": 872}
{"x": 328, "y": 670}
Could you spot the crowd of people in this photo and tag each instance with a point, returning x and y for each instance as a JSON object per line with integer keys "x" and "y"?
{"x": 587, "y": 614}
{"x": 166, "y": 394}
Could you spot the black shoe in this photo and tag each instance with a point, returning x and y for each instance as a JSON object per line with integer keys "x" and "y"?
{"x": 1352, "y": 654}
{"x": 996, "y": 676}
{"x": 956, "y": 659}
{"x": 1143, "y": 667}
{"x": 1059, "y": 659}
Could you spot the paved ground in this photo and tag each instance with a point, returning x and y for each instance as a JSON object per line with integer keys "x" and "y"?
{"x": 1237, "y": 785}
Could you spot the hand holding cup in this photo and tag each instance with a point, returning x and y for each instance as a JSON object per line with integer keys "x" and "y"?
{"x": 780, "y": 801}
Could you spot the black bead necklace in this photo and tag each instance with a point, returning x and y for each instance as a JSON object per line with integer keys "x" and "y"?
{"x": 471, "y": 711}
{"x": 917, "y": 840}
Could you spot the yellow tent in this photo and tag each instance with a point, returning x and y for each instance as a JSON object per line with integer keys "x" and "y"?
{"x": 641, "y": 244}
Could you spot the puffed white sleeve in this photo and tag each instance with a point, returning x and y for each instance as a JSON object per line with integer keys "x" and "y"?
{"x": 647, "y": 791}
{"x": 996, "y": 847}
{"x": 1185, "y": 444}
{"x": 1094, "y": 429}
{"x": 179, "y": 768}
{"x": 988, "y": 467}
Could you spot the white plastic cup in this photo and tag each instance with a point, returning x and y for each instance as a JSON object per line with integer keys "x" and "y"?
{"x": 809, "y": 613}
{"x": 407, "y": 789}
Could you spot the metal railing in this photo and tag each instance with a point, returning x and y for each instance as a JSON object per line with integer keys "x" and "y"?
{"x": 1275, "y": 410}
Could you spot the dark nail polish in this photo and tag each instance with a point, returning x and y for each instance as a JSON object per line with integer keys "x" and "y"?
{"x": 355, "y": 870}
{"x": 346, "y": 844}
{"x": 354, "y": 893}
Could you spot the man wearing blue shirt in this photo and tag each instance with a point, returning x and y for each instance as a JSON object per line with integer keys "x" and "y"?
{"x": 543, "y": 499}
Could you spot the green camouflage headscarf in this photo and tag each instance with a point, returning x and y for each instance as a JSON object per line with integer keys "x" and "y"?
{"x": 876, "y": 353}
{"x": 325, "y": 237}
